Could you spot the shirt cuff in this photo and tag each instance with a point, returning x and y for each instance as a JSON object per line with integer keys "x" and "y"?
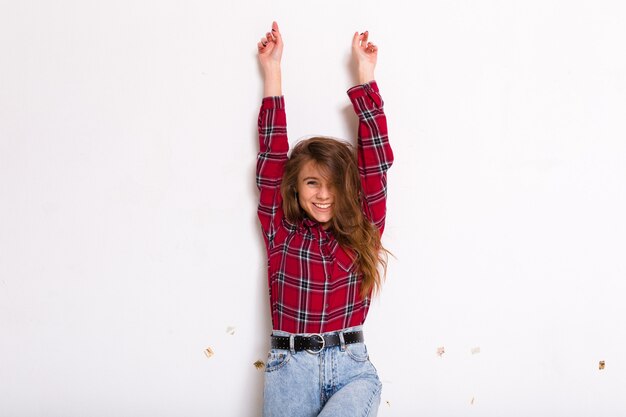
{"x": 365, "y": 98}
{"x": 361, "y": 90}
{"x": 273, "y": 102}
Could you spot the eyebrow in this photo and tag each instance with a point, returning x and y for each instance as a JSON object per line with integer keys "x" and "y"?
{"x": 310, "y": 178}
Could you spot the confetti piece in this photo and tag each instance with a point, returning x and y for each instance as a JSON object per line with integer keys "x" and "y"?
{"x": 208, "y": 352}
{"x": 472, "y": 402}
{"x": 259, "y": 365}
{"x": 475, "y": 350}
{"x": 230, "y": 330}
{"x": 388, "y": 403}
{"x": 601, "y": 366}
{"x": 440, "y": 351}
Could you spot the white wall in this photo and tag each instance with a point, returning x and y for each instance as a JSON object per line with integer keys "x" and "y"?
{"x": 128, "y": 233}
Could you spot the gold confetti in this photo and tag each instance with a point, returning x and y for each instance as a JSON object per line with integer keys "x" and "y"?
{"x": 475, "y": 350}
{"x": 208, "y": 352}
{"x": 440, "y": 351}
{"x": 388, "y": 403}
{"x": 230, "y": 330}
{"x": 601, "y": 366}
{"x": 259, "y": 365}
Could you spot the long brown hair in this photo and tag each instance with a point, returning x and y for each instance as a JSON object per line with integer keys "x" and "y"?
{"x": 338, "y": 161}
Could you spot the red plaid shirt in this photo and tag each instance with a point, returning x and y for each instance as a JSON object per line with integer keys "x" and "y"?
{"x": 314, "y": 285}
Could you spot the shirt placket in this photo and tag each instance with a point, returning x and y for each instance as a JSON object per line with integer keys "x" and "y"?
{"x": 324, "y": 252}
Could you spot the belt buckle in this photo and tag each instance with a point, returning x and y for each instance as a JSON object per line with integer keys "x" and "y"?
{"x": 323, "y": 344}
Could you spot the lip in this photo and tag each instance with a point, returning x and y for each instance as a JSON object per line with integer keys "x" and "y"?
{"x": 329, "y": 206}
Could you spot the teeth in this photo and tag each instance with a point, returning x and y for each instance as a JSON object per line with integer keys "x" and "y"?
{"x": 322, "y": 206}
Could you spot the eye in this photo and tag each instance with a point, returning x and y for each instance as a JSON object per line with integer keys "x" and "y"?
{"x": 311, "y": 182}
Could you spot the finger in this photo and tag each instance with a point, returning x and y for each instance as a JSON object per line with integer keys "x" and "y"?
{"x": 269, "y": 38}
{"x": 361, "y": 44}
{"x": 264, "y": 41}
{"x": 355, "y": 40}
{"x": 365, "y": 36}
{"x": 276, "y": 32}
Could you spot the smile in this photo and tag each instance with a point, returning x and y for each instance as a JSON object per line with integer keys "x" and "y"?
{"x": 322, "y": 206}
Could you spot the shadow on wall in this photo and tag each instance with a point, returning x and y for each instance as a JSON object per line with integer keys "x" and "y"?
{"x": 253, "y": 388}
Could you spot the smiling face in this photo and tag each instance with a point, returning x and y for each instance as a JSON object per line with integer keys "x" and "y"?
{"x": 316, "y": 194}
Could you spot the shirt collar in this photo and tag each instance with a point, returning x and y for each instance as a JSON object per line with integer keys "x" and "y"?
{"x": 309, "y": 225}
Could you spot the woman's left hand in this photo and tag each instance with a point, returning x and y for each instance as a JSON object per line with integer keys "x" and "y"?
{"x": 365, "y": 53}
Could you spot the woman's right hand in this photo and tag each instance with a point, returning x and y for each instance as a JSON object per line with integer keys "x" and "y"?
{"x": 270, "y": 48}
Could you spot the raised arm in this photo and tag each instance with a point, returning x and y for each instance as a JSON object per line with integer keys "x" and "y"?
{"x": 273, "y": 144}
{"x": 374, "y": 152}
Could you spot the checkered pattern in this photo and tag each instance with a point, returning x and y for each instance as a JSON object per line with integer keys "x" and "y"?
{"x": 314, "y": 285}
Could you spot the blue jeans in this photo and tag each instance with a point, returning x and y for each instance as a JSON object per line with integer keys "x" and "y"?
{"x": 338, "y": 381}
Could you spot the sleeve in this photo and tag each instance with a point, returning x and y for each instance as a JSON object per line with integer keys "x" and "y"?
{"x": 273, "y": 148}
{"x": 374, "y": 152}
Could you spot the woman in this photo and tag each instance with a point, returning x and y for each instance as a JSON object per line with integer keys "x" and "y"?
{"x": 322, "y": 211}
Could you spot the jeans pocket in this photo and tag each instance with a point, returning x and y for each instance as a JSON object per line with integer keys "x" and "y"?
{"x": 276, "y": 359}
{"x": 357, "y": 351}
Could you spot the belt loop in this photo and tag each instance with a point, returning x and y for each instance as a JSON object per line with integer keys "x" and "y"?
{"x": 292, "y": 344}
{"x": 342, "y": 341}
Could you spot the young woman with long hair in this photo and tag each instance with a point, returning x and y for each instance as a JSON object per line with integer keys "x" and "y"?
{"x": 322, "y": 212}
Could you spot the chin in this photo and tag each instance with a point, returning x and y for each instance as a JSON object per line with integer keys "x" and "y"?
{"x": 323, "y": 219}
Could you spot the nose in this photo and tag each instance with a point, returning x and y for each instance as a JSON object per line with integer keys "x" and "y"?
{"x": 323, "y": 192}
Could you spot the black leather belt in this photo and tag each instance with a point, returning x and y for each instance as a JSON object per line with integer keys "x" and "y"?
{"x": 316, "y": 342}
